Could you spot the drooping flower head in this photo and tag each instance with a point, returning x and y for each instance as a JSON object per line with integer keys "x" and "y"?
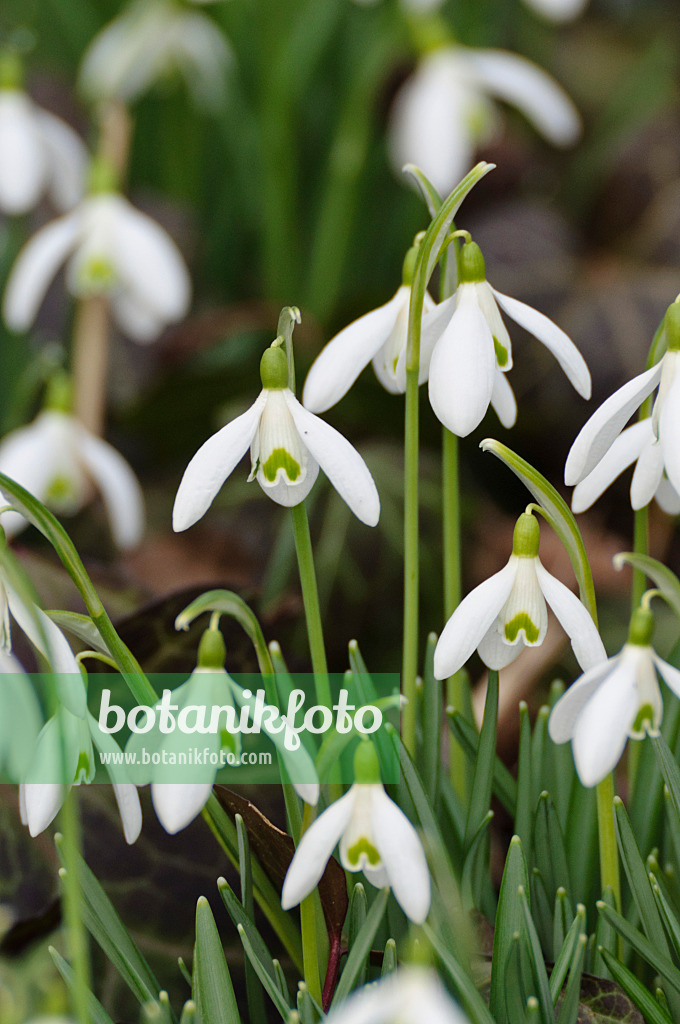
{"x": 603, "y": 449}
{"x": 287, "y": 445}
{"x": 375, "y": 837}
{"x": 379, "y": 337}
{"x": 61, "y": 463}
{"x": 508, "y": 612}
{"x": 409, "y": 995}
{"x": 614, "y": 701}
{"x": 472, "y": 352}
{"x": 444, "y": 111}
{"x": 113, "y": 250}
{"x": 39, "y": 153}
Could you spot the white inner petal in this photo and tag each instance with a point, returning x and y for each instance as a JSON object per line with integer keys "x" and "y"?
{"x": 499, "y": 332}
{"x": 358, "y": 848}
{"x": 277, "y": 452}
{"x": 524, "y": 615}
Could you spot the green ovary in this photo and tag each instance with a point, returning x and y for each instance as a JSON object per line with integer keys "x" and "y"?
{"x": 521, "y": 622}
{"x": 363, "y": 846}
{"x": 501, "y": 352}
{"x": 281, "y": 459}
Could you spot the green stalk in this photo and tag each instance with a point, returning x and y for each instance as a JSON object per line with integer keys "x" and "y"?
{"x": 310, "y": 597}
{"x": 609, "y": 856}
{"x": 455, "y": 686}
{"x": 409, "y": 669}
{"x": 311, "y": 953}
{"x": 75, "y": 929}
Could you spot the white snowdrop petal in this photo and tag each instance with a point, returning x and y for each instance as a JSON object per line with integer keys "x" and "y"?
{"x": 429, "y": 122}
{"x": 212, "y": 464}
{"x": 339, "y": 460}
{"x": 669, "y": 430}
{"x": 503, "y": 400}
{"x": 502, "y": 344}
{"x": 314, "y": 850}
{"x": 402, "y": 855}
{"x": 600, "y": 431}
{"x": 177, "y": 803}
{"x": 134, "y": 318}
{"x": 554, "y": 339}
{"x": 566, "y": 711}
{"x": 67, "y": 160}
{"x": 667, "y": 497}
{"x": 202, "y": 53}
{"x": 118, "y": 485}
{"x": 130, "y": 810}
{"x": 287, "y": 494}
{"x": 462, "y": 368}
{"x": 149, "y": 263}
{"x": 647, "y": 475}
{"x": 558, "y": 10}
{"x": 574, "y": 618}
{"x": 495, "y": 652}
{"x": 42, "y": 803}
{"x": 669, "y": 674}
{"x": 339, "y": 364}
{"x": 471, "y": 621}
{"x": 624, "y": 450}
{"x": 526, "y": 86}
{"x": 22, "y": 159}
{"x": 604, "y": 723}
{"x": 35, "y": 266}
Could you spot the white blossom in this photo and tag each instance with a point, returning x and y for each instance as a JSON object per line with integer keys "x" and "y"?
{"x": 408, "y": 996}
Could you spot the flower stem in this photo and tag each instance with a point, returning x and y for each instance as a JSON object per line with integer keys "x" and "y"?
{"x": 77, "y": 936}
{"x": 411, "y": 567}
{"x": 310, "y": 597}
{"x": 640, "y": 547}
{"x": 455, "y": 686}
{"x": 90, "y": 361}
{"x": 609, "y": 856}
{"x": 311, "y": 953}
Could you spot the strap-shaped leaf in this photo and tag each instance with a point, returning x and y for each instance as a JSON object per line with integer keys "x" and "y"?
{"x": 463, "y": 986}
{"x": 666, "y": 580}
{"x": 509, "y": 919}
{"x": 427, "y": 190}
{"x": 558, "y": 514}
{"x": 213, "y": 991}
{"x": 96, "y": 1011}
{"x": 648, "y": 1006}
{"x": 361, "y": 948}
{"x": 271, "y": 986}
{"x": 662, "y": 964}
{"x": 504, "y": 785}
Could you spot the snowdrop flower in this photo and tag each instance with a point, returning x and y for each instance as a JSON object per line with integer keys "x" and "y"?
{"x": 375, "y": 837}
{"x": 508, "y": 612}
{"x": 112, "y": 250}
{"x": 210, "y": 686}
{"x": 379, "y": 337}
{"x": 407, "y": 996}
{"x": 287, "y": 444}
{"x": 20, "y": 717}
{"x": 471, "y": 349}
{"x": 152, "y": 40}
{"x": 60, "y": 463}
{"x": 602, "y": 449}
{"x": 557, "y": 10}
{"x": 443, "y": 112}
{"x": 612, "y": 701}
{"x": 39, "y": 153}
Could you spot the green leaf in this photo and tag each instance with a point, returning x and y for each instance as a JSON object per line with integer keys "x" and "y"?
{"x": 549, "y": 852}
{"x": 480, "y": 797}
{"x": 509, "y": 920}
{"x": 662, "y": 964}
{"x": 635, "y": 990}
{"x": 358, "y": 910}
{"x": 271, "y": 986}
{"x": 569, "y": 1007}
{"x": 525, "y": 801}
{"x": 603, "y": 1002}
{"x": 228, "y": 603}
{"x": 431, "y": 704}
{"x": 390, "y": 961}
{"x": 504, "y": 786}
{"x": 463, "y": 986}
{"x": 555, "y": 509}
{"x": 213, "y": 991}
{"x": 429, "y": 193}
{"x": 638, "y": 879}
{"x": 96, "y": 1011}
{"x": 563, "y": 918}
{"x": 361, "y": 948}
{"x": 539, "y": 973}
{"x": 475, "y": 867}
{"x": 664, "y": 579}
{"x": 82, "y": 627}
{"x": 567, "y": 953}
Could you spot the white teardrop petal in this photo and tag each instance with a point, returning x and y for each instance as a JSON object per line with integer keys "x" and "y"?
{"x": 314, "y": 850}
{"x": 574, "y": 618}
{"x": 35, "y": 266}
{"x": 624, "y": 450}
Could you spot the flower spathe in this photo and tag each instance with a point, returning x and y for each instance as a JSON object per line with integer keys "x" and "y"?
{"x": 288, "y": 444}
{"x": 374, "y": 836}
{"x": 508, "y": 612}
{"x": 444, "y": 111}
{"x": 111, "y": 249}
{"x": 39, "y": 155}
{"x": 149, "y": 41}
{"x": 61, "y": 463}
{"x": 472, "y": 352}
{"x": 612, "y": 701}
{"x": 603, "y": 449}
{"x": 409, "y": 995}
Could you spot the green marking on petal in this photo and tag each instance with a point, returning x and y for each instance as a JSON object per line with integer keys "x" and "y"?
{"x": 363, "y": 846}
{"x": 521, "y": 622}
{"x": 83, "y": 767}
{"x": 281, "y": 459}
{"x": 60, "y": 489}
{"x": 97, "y": 274}
{"x": 645, "y": 716}
{"x": 501, "y": 352}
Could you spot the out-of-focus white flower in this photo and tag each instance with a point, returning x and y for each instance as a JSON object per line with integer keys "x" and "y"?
{"x": 112, "y": 250}
{"x": 614, "y": 700}
{"x": 287, "y": 444}
{"x": 602, "y": 449}
{"x": 508, "y": 612}
{"x": 39, "y": 153}
{"x": 210, "y": 686}
{"x": 60, "y": 463}
{"x": 20, "y": 717}
{"x": 444, "y": 111}
{"x": 557, "y": 10}
{"x": 471, "y": 350}
{"x": 375, "y": 837}
{"x": 379, "y": 337}
{"x": 410, "y": 995}
{"x": 149, "y": 41}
